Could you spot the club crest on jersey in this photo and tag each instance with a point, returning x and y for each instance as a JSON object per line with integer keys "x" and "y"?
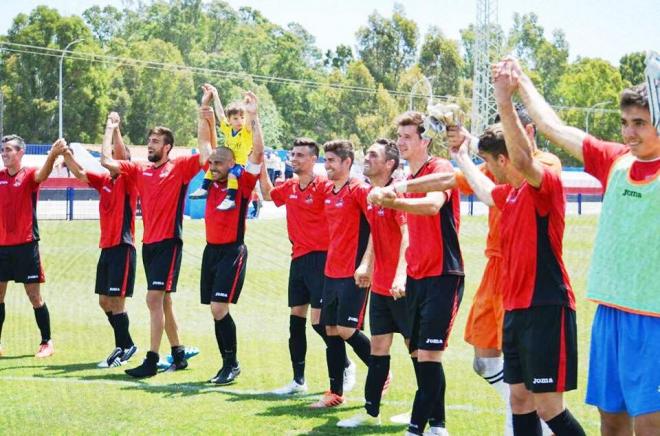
{"x": 380, "y": 211}
{"x": 309, "y": 199}
{"x": 164, "y": 174}
{"x": 339, "y": 203}
{"x": 107, "y": 189}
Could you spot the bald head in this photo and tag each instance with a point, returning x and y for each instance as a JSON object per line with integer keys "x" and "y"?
{"x": 220, "y": 162}
{"x": 221, "y": 154}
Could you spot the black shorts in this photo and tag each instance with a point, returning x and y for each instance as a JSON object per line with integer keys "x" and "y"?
{"x": 162, "y": 262}
{"x": 21, "y": 263}
{"x": 433, "y": 303}
{"x": 306, "y": 279}
{"x": 115, "y": 272}
{"x": 387, "y": 315}
{"x": 540, "y": 348}
{"x": 223, "y": 273}
{"x": 344, "y": 303}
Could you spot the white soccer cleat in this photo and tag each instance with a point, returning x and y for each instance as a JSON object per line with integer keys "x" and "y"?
{"x": 401, "y": 418}
{"x": 349, "y": 376}
{"x": 226, "y": 204}
{"x": 359, "y": 420}
{"x": 113, "y": 360}
{"x": 199, "y": 193}
{"x": 291, "y": 388}
{"x": 437, "y": 431}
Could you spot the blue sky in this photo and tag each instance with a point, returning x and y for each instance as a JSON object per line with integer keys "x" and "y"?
{"x": 606, "y": 28}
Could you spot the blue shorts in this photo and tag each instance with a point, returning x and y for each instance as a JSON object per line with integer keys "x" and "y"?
{"x": 624, "y": 365}
{"x": 237, "y": 170}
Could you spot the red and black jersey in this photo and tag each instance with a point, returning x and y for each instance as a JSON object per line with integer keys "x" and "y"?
{"x": 599, "y": 156}
{"x": 228, "y": 226}
{"x": 434, "y": 248}
{"x": 162, "y": 194}
{"x": 385, "y": 225}
{"x": 18, "y": 207}
{"x": 305, "y": 217}
{"x": 347, "y": 227}
{"x": 117, "y": 204}
{"x": 532, "y": 228}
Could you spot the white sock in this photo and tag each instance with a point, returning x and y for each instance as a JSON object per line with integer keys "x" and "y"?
{"x": 491, "y": 369}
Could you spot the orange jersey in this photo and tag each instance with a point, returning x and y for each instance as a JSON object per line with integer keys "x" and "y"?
{"x": 493, "y": 240}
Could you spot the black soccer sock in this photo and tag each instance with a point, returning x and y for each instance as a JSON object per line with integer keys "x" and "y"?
{"x": 228, "y": 332}
{"x": 43, "y": 322}
{"x": 218, "y": 337}
{"x": 2, "y": 317}
{"x": 379, "y": 367}
{"x": 336, "y": 356}
{"x": 427, "y": 393}
{"x": 415, "y": 363}
{"x": 320, "y": 330}
{"x": 109, "y": 315}
{"x": 123, "y": 336}
{"x": 361, "y": 345}
{"x": 437, "y": 418}
{"x": 565, "y": 424}
{"x": 114, "y": 322}
{"x": 205, "y": 184}
{"x": 231, "y": 194}
{"x": 527, "y": 424}
{"x": 297, "y": 347}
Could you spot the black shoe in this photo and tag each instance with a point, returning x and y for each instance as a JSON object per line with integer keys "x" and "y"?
{"x": 227, "y": 375}
{"x": 178, "y": 359}
{"x": 128, "y": 353}
{"x": 149, "y": 367}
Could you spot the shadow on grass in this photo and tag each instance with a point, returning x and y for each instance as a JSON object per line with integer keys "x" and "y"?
{"x": 69, "y": 368}
{"x": 169, "y": 390}
{"x": 330, "y": 427}
{"x": 22, "y": 356}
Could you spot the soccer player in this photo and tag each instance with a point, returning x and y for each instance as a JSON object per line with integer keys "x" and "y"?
{"x": 19, "y": 232}
{"x": 225, "y": 255}
{"x": 307, "y": 226}
{"x": 344, "y": 302}
{"x": 384, "y": 268}
{"x": 115, "y": 272}
{"x": 162, "y": 187}
{"x": 540, "y": 334}
{"x": 623, "y": 279}
{"x": 434, "y": 286}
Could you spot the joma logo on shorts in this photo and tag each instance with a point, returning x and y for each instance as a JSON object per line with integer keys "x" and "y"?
{"x": 629, "y": 193}
{"x": 220, "y": 294}
{"x": 114, "y": 289}
{"x": 543, "y": 381}
{"x": 158, "y": 283}
{"x": 350, "y": 318}
{"x": 433, "y": 341}
{"x": 32, "y": 277}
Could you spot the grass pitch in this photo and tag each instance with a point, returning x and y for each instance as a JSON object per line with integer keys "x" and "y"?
{"x": 67, "y": 394}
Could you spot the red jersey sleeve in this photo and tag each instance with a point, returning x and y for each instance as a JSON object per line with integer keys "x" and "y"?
{"x": 279, "y": 193}
{"x": 442, "y": 166}
{"x": 189, "y": 166}
{"x": 544, "y": 194}
{"x": 129, "y": 169}
{"x": 359, "y": 194}
{"x": 499, "y": 194}
{"x": 95, "y": 180}
{"x": 247, "y": 182}
{"x": 31, "y": 179}
{"x": 599, "y": 157}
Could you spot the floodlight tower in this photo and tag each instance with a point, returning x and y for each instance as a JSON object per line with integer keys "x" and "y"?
{"x": 483, "y": 100}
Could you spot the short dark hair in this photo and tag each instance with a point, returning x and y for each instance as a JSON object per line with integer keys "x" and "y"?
{"x": 411, "y": 118}
{"x": 309, "y": 143}
{"x": 342, "y": 148}
{"x": 637, "y": 96}
{"x": 391, "y": 151}
{"x": 20, "y": 142}
{"x": 521, "y": 110}
{"x": 235, "y": 108}
{"x": 165, "y": 132}
{"x": 492, "y": 141}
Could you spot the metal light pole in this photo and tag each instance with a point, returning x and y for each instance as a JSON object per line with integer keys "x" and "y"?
{"x": 591, "y": 109}
{"x": 60, "y": 97}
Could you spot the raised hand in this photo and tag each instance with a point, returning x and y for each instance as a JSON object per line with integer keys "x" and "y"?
{"x": 461, "y": 151}
{"x": 59, "y": 147}
{"x": 113, "y": 121}
{"x": 505, "y": 80}
{"x": 207, "y": 97}
{"x": 250, "y": 102}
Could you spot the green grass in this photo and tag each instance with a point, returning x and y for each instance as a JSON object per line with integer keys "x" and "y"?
{"x": 67, "y": 394}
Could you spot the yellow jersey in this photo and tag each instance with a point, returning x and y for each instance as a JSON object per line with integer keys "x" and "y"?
{"x": 239, "y": 142}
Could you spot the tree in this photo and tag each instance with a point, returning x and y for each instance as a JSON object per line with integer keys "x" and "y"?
{"x": 339, "y": 58}
{"x": 631, "y": 67}
{"x": 104, "y": 23}
{"x": 388, "y": 46}
{"x": 441, "y": 61}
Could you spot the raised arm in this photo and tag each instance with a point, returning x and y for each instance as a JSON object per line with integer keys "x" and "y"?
{"x": 265, "y": 183}
{"x": 57, "y": 149}
{"x": 480, "y": 184}
{"x": 217, "y": 104}
{"x": 74, "y": 167}
{"x": 546, "y": 120}
{"x": 206, "y": 137}
{"x": 106, "y": 148}
{"x": 120, "y": 150}
{"x": 251, "y": 107}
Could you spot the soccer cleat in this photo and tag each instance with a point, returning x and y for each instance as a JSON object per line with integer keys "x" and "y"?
{"x": 227, "y": 375}
{"x": 292, "y": 388}
{"x": 349, "y": 376}
{"x": 388, "y": 380}
{"x": 46, "y": 349}
{"x": 329, "y": 399}
{"x": 149, "y": 367}
{"x": 226, "y": 204}
{"x": 113, "y": 360}
{"x": 199, "y": 193}
{"x": 179, "y": 361}
{"x": 359, "y": 420}
{"x": 402, "y": 418}
{"x": 190, "y": 352}
{"x": 128, "y": 353}
{"x": 437, "y": 431}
